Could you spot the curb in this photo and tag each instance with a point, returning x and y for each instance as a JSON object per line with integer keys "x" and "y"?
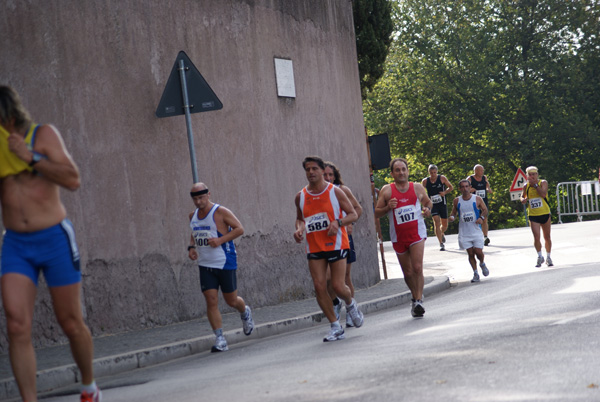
{"x": 50, "y": 379}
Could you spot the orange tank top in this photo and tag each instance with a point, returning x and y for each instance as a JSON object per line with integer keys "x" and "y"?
{"x": 318, "y": 211}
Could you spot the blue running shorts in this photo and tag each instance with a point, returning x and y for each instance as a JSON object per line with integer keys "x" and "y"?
{"x": 352, "y": 253}
{"x": 52, "y": 250}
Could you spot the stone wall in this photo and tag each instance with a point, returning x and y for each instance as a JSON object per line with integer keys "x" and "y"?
{"x": 97, "y": 70}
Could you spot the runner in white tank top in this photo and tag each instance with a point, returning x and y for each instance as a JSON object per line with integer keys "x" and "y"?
{"x": 471, "y": 212}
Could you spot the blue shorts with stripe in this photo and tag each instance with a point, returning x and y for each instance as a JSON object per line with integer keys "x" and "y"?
{"x": 52, "y": 250}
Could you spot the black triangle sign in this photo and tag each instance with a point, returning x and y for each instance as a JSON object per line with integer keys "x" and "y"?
{"x": 200, "y": 95}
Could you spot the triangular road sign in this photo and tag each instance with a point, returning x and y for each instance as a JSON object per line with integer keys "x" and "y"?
{"x": 519, "y": 181}
{"x": 201, "y": 96}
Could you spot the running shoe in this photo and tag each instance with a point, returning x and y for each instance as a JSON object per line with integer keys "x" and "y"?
{"x": 336, "y": 309}
{"x": 475, "y": 277}
{"x": 96, "y": 396}
{"x": 417, "y": 309}
{"x": 220, "y": 345}
{"x": 540, "y": 261}
{"x": 247, "y": 321}
{"x": 442, "y": 247}
{"x": 443, "y": 238}
{"x": 355, "y": 314}
{"x": 349, "y": 323}
{"x": 484, "y": 269}
{"x": 549, "y": 262}
{"x": 334, "y": 335}
{"x": 486, "y": 241}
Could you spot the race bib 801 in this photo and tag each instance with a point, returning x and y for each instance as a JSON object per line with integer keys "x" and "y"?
{"x": 317, "y": 222}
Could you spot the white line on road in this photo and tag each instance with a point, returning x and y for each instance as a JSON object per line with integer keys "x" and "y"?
{"x": 568, "y": 320}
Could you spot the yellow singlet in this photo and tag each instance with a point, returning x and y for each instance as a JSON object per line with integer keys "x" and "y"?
{"x": 11, "y": 164}
{"x": 537, "y": 205}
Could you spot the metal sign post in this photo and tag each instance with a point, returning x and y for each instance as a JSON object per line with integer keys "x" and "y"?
{"x": 187, "y": 92}
{"x": 188, "y": 119}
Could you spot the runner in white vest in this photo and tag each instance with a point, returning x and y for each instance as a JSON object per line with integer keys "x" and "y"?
{"x": 471, "y": 212}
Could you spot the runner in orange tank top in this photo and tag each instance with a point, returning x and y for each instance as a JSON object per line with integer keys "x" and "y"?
{"x": 319, "y": 218}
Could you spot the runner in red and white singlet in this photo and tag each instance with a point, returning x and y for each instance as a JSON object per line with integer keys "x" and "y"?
{"x": 406, "y": 204}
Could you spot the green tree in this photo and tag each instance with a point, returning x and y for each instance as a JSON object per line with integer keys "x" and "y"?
{"x": 503, "y": 83}
{"x": 373, "y": 27}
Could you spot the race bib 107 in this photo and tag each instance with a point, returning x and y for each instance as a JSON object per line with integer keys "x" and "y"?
{"x": 405, "y": 214}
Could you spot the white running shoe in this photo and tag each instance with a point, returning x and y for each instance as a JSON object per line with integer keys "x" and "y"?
{"x": 549, "y": 262}
{"x": 355, "y": 314}
{"x": 336, "y": 309}
{"x": 220, "y": 345}
{"x": 349, "y": 323}
{"x": 417, "y": 308}
{"x": 540, "y": 261}
{"x": 484, "y": 269}
{"x": 475, "y": 277}
{"x": 335, "y": 334}
{"x": 248, "y": 322}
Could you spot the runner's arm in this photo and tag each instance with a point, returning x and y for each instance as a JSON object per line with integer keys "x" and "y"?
{"x": 454, "y": 212}
{"x": 482, "y": 207}
{"x": 231, "y": 222}
{"x": 382, "y": 206}
{"x": 299, "y": 232}
{"x": 448, "y": 184}
{"x": 57, "y": 166}
{"x": 353, "y": 201}
{"x": 542, "y": 189}
{"x": 488, "y": 188}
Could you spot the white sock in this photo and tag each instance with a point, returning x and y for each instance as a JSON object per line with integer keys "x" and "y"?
{"x": 336, "y": 325}
{"x": 90, "y": 389}
{"x": 548, "y": 255}
{"x": 539, "y": 253}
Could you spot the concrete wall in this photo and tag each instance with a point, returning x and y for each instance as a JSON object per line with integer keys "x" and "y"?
{"x": 97, "y": 70}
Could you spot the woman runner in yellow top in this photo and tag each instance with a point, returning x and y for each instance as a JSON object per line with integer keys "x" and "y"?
{"x": 535, "y": 193}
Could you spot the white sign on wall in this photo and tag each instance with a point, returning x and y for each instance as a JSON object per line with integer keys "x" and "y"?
{"x": 284, "y": 74}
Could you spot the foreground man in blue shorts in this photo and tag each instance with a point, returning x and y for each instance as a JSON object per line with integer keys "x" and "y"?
{"x": 34, "y": 164}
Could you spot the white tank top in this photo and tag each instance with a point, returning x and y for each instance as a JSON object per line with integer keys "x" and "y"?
{"x": 222, "y": 257}
{"x": 468, "y": 213}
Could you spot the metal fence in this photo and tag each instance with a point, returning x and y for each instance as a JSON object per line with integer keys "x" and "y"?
{"x": 578, "y": 198}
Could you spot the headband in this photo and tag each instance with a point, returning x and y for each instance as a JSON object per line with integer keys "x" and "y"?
{"x": 197, "y": 193}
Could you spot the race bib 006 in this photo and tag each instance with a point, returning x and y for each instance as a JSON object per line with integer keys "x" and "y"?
{"x": 317, "y": 222}
{"x": 405, "y": 214}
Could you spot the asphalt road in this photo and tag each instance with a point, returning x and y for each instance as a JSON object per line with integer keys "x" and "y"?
{"x": 522, "y": 334}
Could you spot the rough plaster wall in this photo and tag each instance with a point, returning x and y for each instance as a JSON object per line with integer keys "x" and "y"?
{"x": 97, "y": 69}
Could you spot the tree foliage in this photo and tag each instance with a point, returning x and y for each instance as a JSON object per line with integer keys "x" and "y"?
{"x": 373, "y": 27}
{"x": 504, "y": 83}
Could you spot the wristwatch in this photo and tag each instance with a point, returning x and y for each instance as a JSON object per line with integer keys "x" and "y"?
{"x": 339, "y": 221}
{"x": 36, "y": 157}
{"x": 191, "y": 247}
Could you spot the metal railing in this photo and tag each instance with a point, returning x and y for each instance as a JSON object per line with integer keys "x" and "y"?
{"x": 577, "y": 198}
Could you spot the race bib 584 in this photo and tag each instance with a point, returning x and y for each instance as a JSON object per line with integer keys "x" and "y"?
{"x": 317, "y": 222}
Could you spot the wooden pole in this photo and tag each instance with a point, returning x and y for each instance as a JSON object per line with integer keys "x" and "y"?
{"x": 377, "y": 225}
